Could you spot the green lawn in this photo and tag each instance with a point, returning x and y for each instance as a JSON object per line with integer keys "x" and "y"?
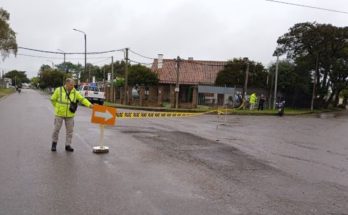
{"x": 4, "y": 91}
{"x": 265, "y": 112}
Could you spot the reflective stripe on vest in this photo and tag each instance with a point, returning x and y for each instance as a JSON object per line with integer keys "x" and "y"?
{"x": 60, "y": 95}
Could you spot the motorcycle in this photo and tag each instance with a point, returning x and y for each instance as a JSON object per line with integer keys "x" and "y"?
{"x": 18, "y": 90}
{"x": 280, "y": 107}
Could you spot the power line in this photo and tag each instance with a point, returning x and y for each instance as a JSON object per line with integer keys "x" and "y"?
{"x": 151, "y": 58}
{"x": 308, "y": 6}
{"x": 57, "y": 58}
{"x": 37, "y": 56}
{"x": 69, "y": 53}
{"x": 139, "y": 62}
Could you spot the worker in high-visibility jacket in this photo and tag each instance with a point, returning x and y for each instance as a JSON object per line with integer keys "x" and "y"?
{"x": 64, "y": 100}
{"x": 252, "y": 101}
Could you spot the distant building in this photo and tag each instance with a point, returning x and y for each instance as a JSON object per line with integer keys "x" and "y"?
{"x": 5, "y": 82}
{"x": 192, "y": 74}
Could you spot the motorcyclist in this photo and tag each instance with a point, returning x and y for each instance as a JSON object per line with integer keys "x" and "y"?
{"x": 18, "y": 88}
{"x": 280, "y": 106}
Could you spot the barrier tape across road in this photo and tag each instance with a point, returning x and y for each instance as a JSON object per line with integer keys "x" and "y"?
{"x": 139, "y": 115}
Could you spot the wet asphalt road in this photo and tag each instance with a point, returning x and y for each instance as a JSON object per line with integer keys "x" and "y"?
{"x": 197, "y": 165}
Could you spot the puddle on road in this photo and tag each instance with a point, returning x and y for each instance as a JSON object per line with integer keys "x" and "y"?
{"x": 327, "y": 115}
{"x": 331, "y": 115}
{"x": 195, "y": 150}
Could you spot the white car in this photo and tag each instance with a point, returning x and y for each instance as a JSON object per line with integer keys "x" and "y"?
{"x": 92, "y": 93}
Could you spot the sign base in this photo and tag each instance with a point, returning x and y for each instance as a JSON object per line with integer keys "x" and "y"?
{"x": 100, "y": 149}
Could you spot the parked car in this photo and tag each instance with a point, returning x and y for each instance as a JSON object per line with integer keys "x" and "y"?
{"x": 92, "y": 93}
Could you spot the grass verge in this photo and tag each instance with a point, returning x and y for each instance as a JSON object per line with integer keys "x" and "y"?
{"x": 6, "y": 91}
{"x": 221, "y": 110}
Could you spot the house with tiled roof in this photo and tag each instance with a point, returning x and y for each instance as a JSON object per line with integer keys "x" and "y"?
{"x": 191, "y": 74}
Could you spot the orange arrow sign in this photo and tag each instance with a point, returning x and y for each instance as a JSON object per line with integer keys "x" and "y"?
{"x": 103, "y": 115}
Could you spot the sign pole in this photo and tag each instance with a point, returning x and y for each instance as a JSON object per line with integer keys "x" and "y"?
{"x": 103, "y": 115}
{"x": 101, "y": 139}
{"x": 101, "y": 148}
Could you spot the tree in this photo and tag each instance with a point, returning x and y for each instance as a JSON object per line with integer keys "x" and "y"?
{"x": 294, "y": 84}
{"x": 119, "y": 69}
{"x": 8, "y": 42}
{"x": 35, "y": 81}
{"x": 51, "y": 78}
{"x": 141, "y": 75}
{"x": 233, "y": 74}
{"x": 17, "y": 77}
{"x": 322, "y": 50}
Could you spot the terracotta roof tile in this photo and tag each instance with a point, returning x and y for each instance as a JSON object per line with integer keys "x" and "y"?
{"x": 191, "y": 71}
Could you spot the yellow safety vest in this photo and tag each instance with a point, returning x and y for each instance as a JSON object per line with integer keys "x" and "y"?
{"x": 61, "y": 102}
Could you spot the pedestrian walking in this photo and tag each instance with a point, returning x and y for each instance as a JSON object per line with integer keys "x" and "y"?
{"x": 64, "y": 101}
{"x": 252, "y": 101}
{"x": 261, "y": 102}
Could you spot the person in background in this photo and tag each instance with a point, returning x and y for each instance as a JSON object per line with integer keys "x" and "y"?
{"x": 261, "y": 102}
{"x": 252, "y": 101}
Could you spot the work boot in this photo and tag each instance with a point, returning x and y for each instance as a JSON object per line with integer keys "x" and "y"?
{"x": 69, "y": 148}
{"x": 54, "y": 147}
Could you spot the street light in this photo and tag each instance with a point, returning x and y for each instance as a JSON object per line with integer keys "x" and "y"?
{"x": 85, "y": 36}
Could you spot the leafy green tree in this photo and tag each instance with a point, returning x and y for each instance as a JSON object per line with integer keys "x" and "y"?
{"x": 119, "y": 82}
{"x": 18, "y": 77}
{"x": 293, "y": 83}
{"x": 321, "y": 49}
{"x": 233, "y": 74}
{"x": 119, "y": 69}
{"x": 51, "y": 78}
{"x": 141, "y": 75}
{"x": 35, "y": 81}
{"x": 69, "y": 67}
{"x": 8, "y": 42}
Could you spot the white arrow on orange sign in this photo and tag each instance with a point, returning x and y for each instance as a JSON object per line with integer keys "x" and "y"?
{"x": 106, "y": 115}
{"x": 103, "y": 115}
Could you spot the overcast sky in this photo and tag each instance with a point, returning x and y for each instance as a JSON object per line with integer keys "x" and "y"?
{"x": 202, "y": 29}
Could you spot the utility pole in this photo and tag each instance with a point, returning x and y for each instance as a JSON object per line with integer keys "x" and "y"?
{"x": 177, "y": 86}
{"x": 66, "y": 70}
{"x": 112, "y": 78}
{"x": 89, "y": 71}
{"x": 246, "y": 80}
{"x": 104, "y": 88}
{"x": 276, "y": 82}
{"x": 315, "y": 82}
{"x": 126, "y": 78}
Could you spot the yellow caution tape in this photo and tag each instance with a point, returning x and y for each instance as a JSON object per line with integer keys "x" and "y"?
{"x": 139, "y": 115}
